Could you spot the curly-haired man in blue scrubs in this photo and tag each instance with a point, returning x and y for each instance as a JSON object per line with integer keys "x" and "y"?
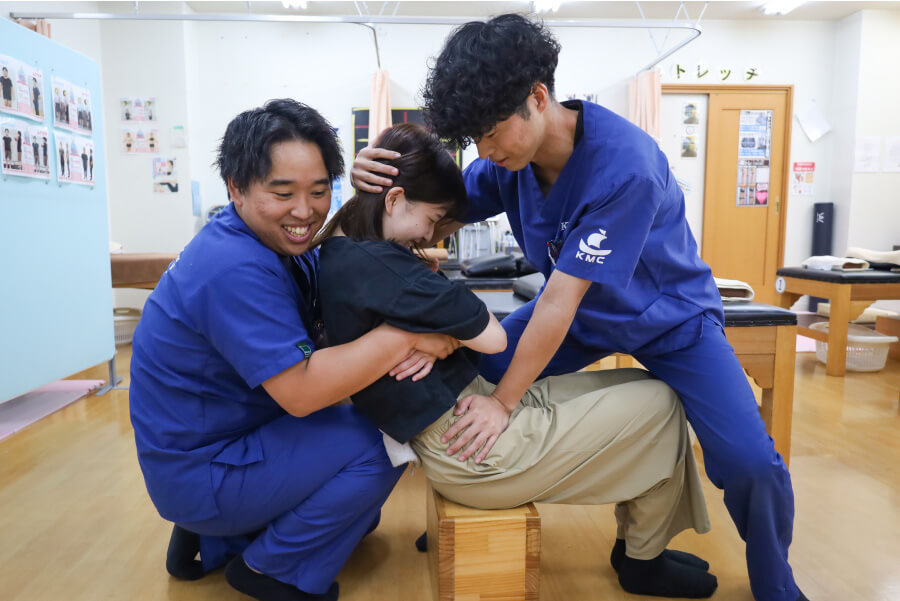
{"x": 593, "y": 204}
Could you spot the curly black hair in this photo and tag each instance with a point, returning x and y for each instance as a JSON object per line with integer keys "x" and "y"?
{"x": 485, "y": 73}
{"x": 245, "y": 153}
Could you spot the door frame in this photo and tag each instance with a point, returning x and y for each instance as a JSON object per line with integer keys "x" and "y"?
{"x": 690, "y": 88}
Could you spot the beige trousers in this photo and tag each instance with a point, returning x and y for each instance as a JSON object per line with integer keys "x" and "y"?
{"x": 588, "y": 438}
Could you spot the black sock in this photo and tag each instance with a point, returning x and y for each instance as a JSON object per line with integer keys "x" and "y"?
{"x": 422, "y": 543}
{"x": 688, "y": 559}
{"x": 265, "y": 588}
{"x": 181, "y": 559}
{"x": 663, "y": 577}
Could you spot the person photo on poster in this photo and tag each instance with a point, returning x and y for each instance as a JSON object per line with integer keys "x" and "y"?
{"x": 7, "y": 148}
{"x": 140, "y": 140}
{"x": 65, "y": 105}
{"x": 83, "y": 107}
{"x": 690, "y": 114}
{"x": 20, "y": 89}
{"x": 165, "y": 180}
{"x": 689, "y": 147}
{"x": 127, "y": 108}
{"x": 137, "y": 108}
{"x": 22, "y": 151}
{"x": 75, "y": 159}
{"x": 6, "y": 88}
{"x": 128, "y": 141}
{"x": 36, "y": 98}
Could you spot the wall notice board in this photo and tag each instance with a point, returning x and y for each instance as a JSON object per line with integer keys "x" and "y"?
{"x": 55, "y": 286}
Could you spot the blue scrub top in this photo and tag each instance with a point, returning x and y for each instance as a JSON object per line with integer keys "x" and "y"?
{"x": 226, "y": 316}
{"x": 619, "y": 215}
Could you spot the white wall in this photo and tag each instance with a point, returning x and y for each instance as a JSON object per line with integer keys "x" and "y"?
{"x": 143, "y": 58}
{"x": 691, "y": 170}
{"x": 845, "y": 90}
{"x": 205, "y": 73}
{"x": 874, "y": 219}
{"x": 237, "y": 66}
{"x": 875, "y": 207}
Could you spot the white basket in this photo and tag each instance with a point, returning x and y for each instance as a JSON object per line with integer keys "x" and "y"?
{"x": 126, "y": 320}
{"x": 867, "y": 350}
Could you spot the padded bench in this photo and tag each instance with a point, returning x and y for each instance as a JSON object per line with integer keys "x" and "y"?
{"x": 764, "y": 338}
{"x": 849, "y": 292}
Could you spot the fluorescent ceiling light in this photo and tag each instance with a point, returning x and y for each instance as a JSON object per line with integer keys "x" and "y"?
{"x": 781, "y": 7}
{"x": 295, "y": 4}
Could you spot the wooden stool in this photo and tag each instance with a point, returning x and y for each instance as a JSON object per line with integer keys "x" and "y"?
{"x": 481, "y": 555}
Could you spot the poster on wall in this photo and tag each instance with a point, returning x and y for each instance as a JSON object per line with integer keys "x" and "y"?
{"x": 84, "y": 121}
{"x": 867, "y": 155}
{"x": 165, "y": 179}
{"x": 64, "y": 108}
{"x": 75, "y": 163}
{"x": 802, "y": 179}
{"x": 21, "y": 88}
{"x": 689, "y": 114}
{"x": 140, "y": 140}
{"x": 25, "y": 151}
{"x": 688, "y": 147}
{"x": 891, "y": 158}
{"x": 137, "y": 108}
{"x": 754, "y": 142}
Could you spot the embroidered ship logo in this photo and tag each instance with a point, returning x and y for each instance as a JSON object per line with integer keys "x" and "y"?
{"x": 590, "y": 251}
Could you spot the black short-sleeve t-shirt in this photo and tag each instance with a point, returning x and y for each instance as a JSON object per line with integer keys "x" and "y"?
{"x": 363, "y": 284}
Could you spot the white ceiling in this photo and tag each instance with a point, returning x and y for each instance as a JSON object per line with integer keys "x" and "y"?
{"x": 819, "y": 11}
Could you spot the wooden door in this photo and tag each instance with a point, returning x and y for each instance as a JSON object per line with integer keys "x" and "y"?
{"x": 743, "y": 222}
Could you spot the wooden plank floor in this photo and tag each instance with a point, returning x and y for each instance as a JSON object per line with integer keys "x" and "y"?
{"x": 76, "y": 523}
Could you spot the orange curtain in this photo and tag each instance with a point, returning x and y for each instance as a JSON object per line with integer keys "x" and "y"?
{"x": 644, "y": 100}
{"x": 380, "y": 107}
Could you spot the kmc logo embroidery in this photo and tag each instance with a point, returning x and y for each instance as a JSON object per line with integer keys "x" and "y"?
{"x": 590, "y": 251}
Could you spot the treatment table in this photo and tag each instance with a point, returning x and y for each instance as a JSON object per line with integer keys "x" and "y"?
{"x": 849, "y": 293}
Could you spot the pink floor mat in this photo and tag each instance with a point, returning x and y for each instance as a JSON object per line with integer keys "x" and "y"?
{"x": 28, "y": 408}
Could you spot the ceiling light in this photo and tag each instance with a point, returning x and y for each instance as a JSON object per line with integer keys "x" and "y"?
{"x": 781, "y": 7}
{"x": 295, "y": 4}
{"x": 546, "y": 6}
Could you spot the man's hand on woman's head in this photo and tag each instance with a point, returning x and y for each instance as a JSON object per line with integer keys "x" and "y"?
{"x": 364, "y": 175}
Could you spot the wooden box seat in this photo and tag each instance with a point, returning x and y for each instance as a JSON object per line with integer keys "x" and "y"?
{"x": 482, "y": 555}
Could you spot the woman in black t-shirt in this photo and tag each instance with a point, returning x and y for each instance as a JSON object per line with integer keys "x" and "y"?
{"x": 616, "y": 436}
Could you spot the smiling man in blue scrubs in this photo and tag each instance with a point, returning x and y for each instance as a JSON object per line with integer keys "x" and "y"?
{"x": 232, "y": 400}
{"x": 593, "y": 204}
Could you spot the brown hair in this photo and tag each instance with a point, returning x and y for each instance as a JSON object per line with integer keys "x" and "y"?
{"x": 427, "y": 173}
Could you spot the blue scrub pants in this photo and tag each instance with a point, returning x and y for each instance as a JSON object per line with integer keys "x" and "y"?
{"x": 318, "y": 491}
{"x": 739, "y": 455}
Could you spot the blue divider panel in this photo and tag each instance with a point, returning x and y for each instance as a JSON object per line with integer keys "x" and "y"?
{"x": 55, "y": 287}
